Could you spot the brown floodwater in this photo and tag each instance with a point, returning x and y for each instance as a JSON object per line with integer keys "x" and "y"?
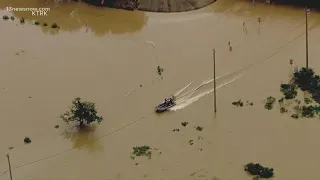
{"x": 43, "y": 69}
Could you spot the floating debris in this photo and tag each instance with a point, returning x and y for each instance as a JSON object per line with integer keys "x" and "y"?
{"x": 259, "y": 171}
{"x": 184, "y": 124}
{"x": 36, "y": 23}
{"x": 176, "y": 130}
{"x": 11, "y": 147}
{"x": 56, "y": 126}
{"x": 22, "y": 21}
{"x": 27, "y": 140}
{"x": 45, "y": 24}
{"x": 160, "y": 70}
{"x": 12, "y": 18}
{"x": 54, "y": 26}
{"x": 191, "y": 142}
{"x": 5, "y": 17}
{"x": 240, "y": 103}
{"x": 198, "y": 128}
{"x": 249, "y": 103}
{"x": 200, "y": 137}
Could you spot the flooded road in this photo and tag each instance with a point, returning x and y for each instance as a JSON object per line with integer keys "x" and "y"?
{"x": 110, "y": 57}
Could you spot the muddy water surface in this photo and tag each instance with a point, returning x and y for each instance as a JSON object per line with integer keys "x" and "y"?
{"x": 104, "y": 55}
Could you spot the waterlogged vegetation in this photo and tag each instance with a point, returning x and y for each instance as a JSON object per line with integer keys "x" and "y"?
{"x": 37, "y": 23}
{"x": 258, "y": 171}
{"x": 142, "y": 151}
{"x": 308, "y": 83}
{"x": 270, "y": 103}
{"x": 289, "y": 90}
{"x": 240, "y": 103}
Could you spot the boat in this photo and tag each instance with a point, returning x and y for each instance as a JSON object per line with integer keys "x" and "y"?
{"x": 164, "y": 106}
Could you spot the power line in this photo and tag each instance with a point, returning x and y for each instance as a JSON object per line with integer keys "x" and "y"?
{"x": 54, "y": 166}
{"x": 79, "y": 145}
{"x": 132, "y": 91}
{"x": 3, "y": 173}
{"x": 57, "y": 154}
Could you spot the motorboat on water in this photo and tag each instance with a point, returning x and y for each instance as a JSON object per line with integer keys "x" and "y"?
{"x": 164, "y": 106}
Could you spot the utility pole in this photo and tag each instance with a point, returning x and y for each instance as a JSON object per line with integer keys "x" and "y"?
{"x": 9, "y": 166}
{"x": 214, "y": 81}
{"x": 307, "y": 43}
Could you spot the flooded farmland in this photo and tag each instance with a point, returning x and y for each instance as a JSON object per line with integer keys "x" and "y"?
{"x": 110, "y": 57}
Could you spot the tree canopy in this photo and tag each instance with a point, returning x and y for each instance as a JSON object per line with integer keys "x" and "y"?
{"x": 83, "y": 112}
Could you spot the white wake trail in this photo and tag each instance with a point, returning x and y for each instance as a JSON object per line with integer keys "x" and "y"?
{"x": 200, "y": 86}
{"x": 181, "y": 90}
{"x": 187, "y": 101}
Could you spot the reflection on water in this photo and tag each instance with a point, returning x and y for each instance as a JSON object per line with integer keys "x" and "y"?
{"x": 83, "y": 139}
{"x": 75, "y": 16}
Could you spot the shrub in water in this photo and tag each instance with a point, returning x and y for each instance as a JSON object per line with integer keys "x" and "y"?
{"x": 238, "y": 103}
{"x": 27, "y": 140}
{"x": 289, "y": 90}
{"x": 142, "y": 151}
{"x": 259, "y": 171}
{"x": 270, "y": 102}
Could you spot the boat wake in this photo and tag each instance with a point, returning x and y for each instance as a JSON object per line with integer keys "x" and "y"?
{"x": 192, "y": 96}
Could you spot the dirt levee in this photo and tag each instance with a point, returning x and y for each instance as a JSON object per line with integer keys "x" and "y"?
{"x": 172, "y": 5}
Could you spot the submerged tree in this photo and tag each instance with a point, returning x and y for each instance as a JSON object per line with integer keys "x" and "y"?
{"x": 83, "y": 112}
{"x": 303, "y": 78}
{"x": 306, "y": 80}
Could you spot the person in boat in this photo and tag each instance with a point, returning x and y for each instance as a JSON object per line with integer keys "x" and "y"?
{"x": 171, "y": 100}
{"x": 168, "y": 101}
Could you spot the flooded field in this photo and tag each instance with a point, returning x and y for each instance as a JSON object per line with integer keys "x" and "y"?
{"x": 110, "y": 57}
